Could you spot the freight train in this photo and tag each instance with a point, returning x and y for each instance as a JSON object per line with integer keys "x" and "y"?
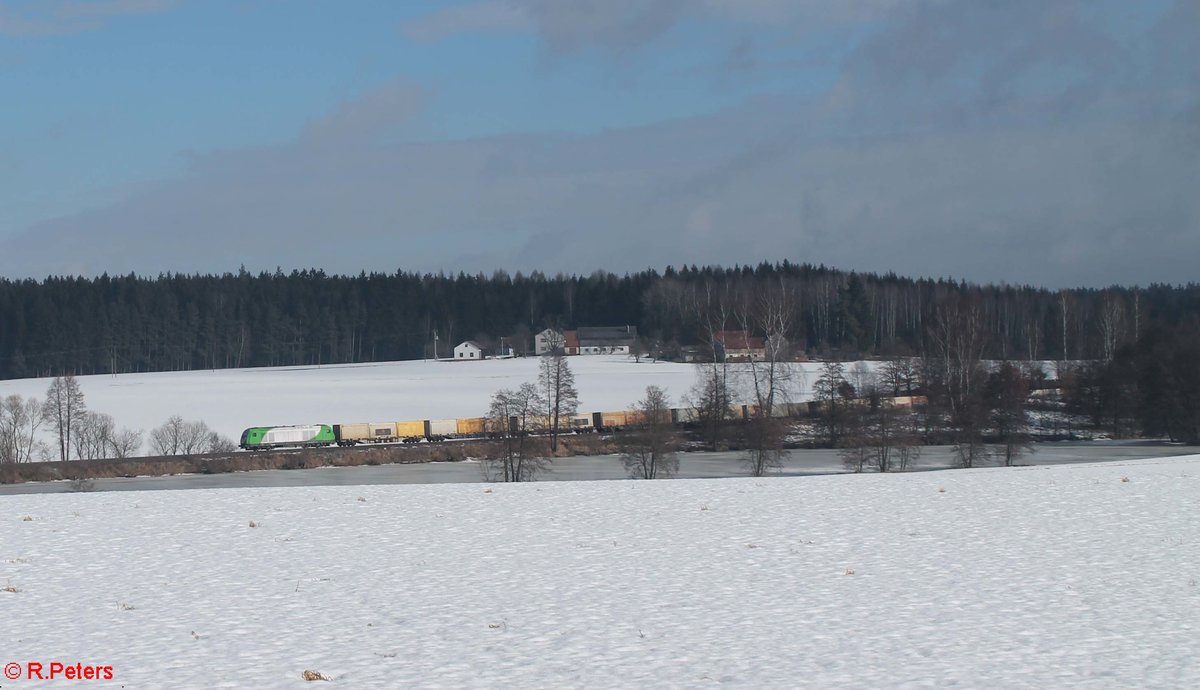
{"x": 434, "y": 430}
{"x": 414, "y": 431}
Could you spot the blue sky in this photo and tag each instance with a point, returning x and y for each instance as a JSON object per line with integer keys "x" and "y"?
{"x": 1021, "y": 141}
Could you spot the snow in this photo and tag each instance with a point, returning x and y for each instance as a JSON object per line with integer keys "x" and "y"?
{"x": 230, "y": 400}
{"x": 1068, "y": 576}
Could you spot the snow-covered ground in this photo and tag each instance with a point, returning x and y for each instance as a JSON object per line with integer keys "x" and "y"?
{"x": 230, "y": 400}
{"x": 1072, "y": 576}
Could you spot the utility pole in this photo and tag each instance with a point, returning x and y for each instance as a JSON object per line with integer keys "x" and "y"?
{"x": 435, "y": 339}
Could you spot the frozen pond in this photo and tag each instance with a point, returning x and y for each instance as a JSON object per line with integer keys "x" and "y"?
{"x": 593, "y": 467}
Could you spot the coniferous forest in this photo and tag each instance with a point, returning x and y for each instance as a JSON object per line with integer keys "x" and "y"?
{"x": 178, "y": 322}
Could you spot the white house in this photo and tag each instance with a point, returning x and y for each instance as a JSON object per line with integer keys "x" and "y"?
{"x": 548, "y": 341}
{"x": 468, "y": 349}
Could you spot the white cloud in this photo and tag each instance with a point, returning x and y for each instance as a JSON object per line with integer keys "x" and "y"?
{"x": 1067, "y": 203}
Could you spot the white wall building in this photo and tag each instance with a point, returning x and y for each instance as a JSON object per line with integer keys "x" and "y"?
{"x": 547, "y": 341}
{"x": 468, "y": 350}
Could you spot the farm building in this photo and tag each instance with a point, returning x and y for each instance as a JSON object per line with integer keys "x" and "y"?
{"x": 601, "y": 340}
{"x": 739, "y": 346}
{"x": 587, "y": 340}
{"x": 548, "y": 340}
{"x": 468, "y": 350}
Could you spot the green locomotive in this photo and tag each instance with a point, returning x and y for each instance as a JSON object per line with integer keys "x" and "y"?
{"x": 264, "y": 437}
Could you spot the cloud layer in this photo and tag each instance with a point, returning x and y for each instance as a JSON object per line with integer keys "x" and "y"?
{"x": 1019, "y": 141}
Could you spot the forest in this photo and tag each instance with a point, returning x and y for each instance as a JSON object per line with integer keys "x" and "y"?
{"x": 72, "y": 325}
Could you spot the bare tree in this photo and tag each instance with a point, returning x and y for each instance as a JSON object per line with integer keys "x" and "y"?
{"x": 92, "y": 438}
{"x": 168, "y": 438}
{"x": 711, "y": 395}
{"x": 864, "y": 439}
{"x": 20, "y": 420}
{"x": 1065, "y": 303}
{"x": 906, "y": 440}
{"x": 711, "y": 400}
{"x": 885, "y": 436}
{"x": 125, "y": 443}
{"x": 556, "y": 382}
{"x": 180, "y": 437}
{"x": 959, "y": 334}
{"x": 857, "y": 443}
{"x": 764, "y": 445}
{"x": 511, "y": 418}
{"x": 216, "y": 443}
{"x": 63, "y": 410}
{"x": 1111, "y": 323}
{"x": 638, "y": 349}
{"x": 901, "y": 375}
{"x": 773, "y": 311}
{"x": 864, "y": 380}
{"x": 831, "y": 391}
{"x": 649, "y": 451}
{"x": 1008, "y": 390}
{"x": 196, "y": 438}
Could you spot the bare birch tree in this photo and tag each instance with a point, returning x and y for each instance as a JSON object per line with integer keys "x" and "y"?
{"x": 773, "y": 311}
{"x": 20, "y": 420}
{"x": 958, "y": 334}
{"x": 1111, "y": 323}
{"x": 556, "y": 382}
{"x": 711, "y": 397}
{"x": 63, "y": 409}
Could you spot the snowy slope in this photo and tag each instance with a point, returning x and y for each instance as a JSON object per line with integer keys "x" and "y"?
{"x": 1022, "y": 577}
{"x": 232, "y": 399}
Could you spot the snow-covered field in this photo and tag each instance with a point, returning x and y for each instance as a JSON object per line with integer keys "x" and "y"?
{"x": 232, "y": 399}
{"x": 1073, "y": 576}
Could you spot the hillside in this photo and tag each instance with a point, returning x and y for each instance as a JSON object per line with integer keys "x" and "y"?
{"x": 230, "y": 400}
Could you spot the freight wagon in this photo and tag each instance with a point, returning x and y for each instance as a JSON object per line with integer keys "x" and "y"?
{"x": 430, "y": 430}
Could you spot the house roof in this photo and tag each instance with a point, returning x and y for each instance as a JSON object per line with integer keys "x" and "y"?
{"x": 739, "y": 340}
{"x": 593, "y": 336}
{"x": 470, "y": 343}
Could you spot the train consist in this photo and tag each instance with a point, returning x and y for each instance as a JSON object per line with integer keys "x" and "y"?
{"x": 435, "y": 430}
{"x": 414, "y": 431}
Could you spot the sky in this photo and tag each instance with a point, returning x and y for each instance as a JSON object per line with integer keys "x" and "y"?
{"x": 1017, "y": 141}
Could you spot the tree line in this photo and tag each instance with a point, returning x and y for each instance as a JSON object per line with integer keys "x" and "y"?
{"x": 120, "y": 324}
{"x": 77, "y": 433}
